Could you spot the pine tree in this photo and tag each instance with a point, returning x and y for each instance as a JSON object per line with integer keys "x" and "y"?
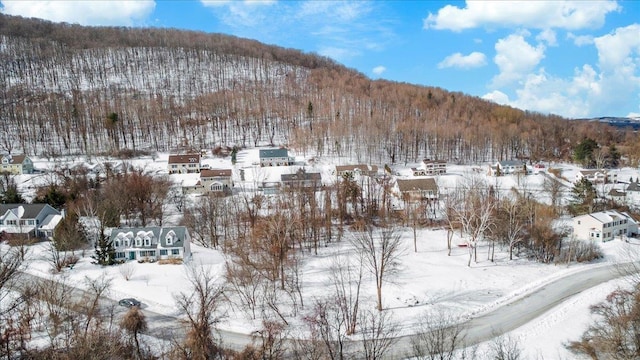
{"x": 105, "y": 252}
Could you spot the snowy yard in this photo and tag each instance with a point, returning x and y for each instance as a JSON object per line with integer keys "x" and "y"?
{"x": 428, "y": 280}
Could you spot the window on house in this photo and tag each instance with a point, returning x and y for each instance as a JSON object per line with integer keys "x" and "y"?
{"x": 175, "y": 251}
{"x": 127, "y": 243}
{"x": 12, "y": 222}
{"x": 147, "y": 242}
{"x": 23, "y": 222}
{"x": 138, "y": 242}
{"x": 119, "y": 255}
{"x": 31, "y": 222}
{"x": 163, "y": 252}
{"x": 116, "y": 243}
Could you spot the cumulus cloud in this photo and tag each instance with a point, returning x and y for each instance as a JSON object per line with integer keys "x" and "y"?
{"x": 457, "y": 60}
{"x": 531, "y": 14}
{"x": 592, "y": 90}
{"x": 119, "y": 13}
{"x": 515, "y": 58}
{"x": 580, "y": 40}
{"x": 548, "y": 36}
{"x": 498, "y": 97}
{"x": 379, "y": 70}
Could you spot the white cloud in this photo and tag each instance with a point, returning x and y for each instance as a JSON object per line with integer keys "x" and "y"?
{"x": 617, "y": 49}
{"x": 457, "y": 60}
{"x": 580, "y": 40}
{"x": 498, "y": 97}
{"x": 515, "y": 58}
{"x": 548, "y": 36}
{"x": 379, "y": 70}
{"x": 532, "y": 14}
{"x": 120, "y": 13}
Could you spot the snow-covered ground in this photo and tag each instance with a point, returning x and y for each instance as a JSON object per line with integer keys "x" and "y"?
{"x": 428, "y": 280}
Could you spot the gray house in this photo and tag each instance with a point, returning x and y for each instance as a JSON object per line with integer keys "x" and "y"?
{"x": 38, "y": 220}
{"x": 152, "y": 243}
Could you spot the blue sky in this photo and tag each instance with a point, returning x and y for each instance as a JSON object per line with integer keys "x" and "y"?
{"x": 572, "y": 58}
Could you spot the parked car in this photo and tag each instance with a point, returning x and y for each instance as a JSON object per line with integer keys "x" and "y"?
{"x": 129, "y": 302}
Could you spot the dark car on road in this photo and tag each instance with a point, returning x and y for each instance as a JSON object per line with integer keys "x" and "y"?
{"x": 130, "y": 302}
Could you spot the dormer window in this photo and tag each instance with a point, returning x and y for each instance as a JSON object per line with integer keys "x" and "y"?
{"x": 170, "y": 237}
{"x": 117, "y": 243}
{"x": 147, "y": 242}
{"x": 138, "y": 241}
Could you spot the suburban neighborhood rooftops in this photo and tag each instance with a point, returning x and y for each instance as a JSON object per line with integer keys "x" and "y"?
{"x": 274, "y": 153}
{"x": 29, "y": 211}
{"x": 417, "y": 184}
{"x": 183, "y": 159}
{"x": 215, "y": 173}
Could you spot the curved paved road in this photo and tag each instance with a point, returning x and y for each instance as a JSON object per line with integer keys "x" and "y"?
{"x": 519, "y": 312}
{"x": 479, "y": 329}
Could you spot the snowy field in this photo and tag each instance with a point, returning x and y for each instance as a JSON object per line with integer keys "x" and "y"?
{"x": 427, "y": 281}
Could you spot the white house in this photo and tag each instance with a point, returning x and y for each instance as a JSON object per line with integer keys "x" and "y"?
{"x": 508, "y": 167}
{"x": 152, "y": 242}
{"x": 184, "y": 164}
{"x": 38, "y": 220}
{"x": 604, "y": 225}
{"x": 596, "y": 176}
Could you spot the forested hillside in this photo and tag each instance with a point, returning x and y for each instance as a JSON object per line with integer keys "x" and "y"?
{"x": 68, "y": 89}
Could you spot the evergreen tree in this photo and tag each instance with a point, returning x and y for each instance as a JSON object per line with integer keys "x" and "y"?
{"x": 583, "y": 196}
{"x": 9, "y": 190}
{"x": 583, "y": 152}
{"x": 105, "y": 252}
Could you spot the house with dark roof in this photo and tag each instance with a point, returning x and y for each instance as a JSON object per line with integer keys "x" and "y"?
{"x": 275, "y": 157}
{"x": 418, "y": 189}
{"x": 359, "y": 169}
{"x": 216, "y": 181}
{"x": 184, "y": 164}
{"x": 37, "y": 220}
{"x": 301, "y": 180}
{"x": 151, "y": 243}
{"x": 16, "y": 164}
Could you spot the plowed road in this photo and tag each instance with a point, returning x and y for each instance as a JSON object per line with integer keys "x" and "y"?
{"x": 479, "y": 329}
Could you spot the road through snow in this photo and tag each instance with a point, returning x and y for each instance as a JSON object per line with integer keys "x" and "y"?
{"x": 496, "y": 322}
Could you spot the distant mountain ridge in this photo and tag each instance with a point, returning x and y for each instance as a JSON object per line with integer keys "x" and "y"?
{"x": 69, "y": 89}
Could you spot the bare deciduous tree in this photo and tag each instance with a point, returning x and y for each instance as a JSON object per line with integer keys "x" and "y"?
{"x": 380, "y": 250}
{"x": 200, "y": 307}
{"x": 379, "y": 334}
{"x": 347, "y": 279}
{"x": 439, "y": 337}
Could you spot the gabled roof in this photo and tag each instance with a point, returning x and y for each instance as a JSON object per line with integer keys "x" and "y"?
{"x": 30, "y": 211}
{"x": 301, "y": 176}
{"x": 160, "y": 233}
{"x": 511, "y": 163}
{"x": 429, "y": 161}
{"x": 215, "y": 173}
{"x": 15, "y": 159}
{"x": 273, "y": 153}
{"x": 608, "y": 216}
{"x": 184, "y": 159}
{"x": 361, "y": 167}
{"x": 417, "y": 185}
{"x": 633, "y": 186}
{"x": 616, "y": 193}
